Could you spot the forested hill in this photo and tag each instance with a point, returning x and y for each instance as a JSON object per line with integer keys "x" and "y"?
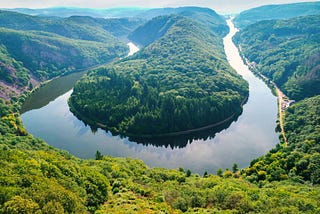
{"x": 181, "y": 81}
{"x": 287, "y": 52}
{"x": 34, "y": 49}
{"x": 300, "y": 161}
{"x": 149, "y": 32}
{"x": 281, "y": 11}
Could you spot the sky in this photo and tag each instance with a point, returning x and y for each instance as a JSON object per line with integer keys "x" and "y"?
{"x": 223, "y": 6}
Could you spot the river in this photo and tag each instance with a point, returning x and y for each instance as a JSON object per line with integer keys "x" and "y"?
{"x": 240, "y": 141}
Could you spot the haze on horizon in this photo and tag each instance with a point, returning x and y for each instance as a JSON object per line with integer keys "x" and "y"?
{"x": 222, "y": 6}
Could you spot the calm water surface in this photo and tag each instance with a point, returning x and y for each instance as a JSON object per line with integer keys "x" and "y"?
{"x": 249, "y": 137}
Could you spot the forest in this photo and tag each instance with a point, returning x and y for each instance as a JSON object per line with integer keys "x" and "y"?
{"x": 180, "y": 81}
{"x": 34, "y": 49}
{"x": 287, "y": 52}
{"x": 37, "y": 178}
{"x": 276, "y": 11}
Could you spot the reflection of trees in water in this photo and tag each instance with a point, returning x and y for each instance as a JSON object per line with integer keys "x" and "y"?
{"x": 178, "y": 141}
{"x": 181, "y": 141}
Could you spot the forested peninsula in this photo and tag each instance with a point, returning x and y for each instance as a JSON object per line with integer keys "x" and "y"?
{"x": 179, "y": 81}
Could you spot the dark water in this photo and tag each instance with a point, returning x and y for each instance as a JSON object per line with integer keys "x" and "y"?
{"x": 250, "y": 136}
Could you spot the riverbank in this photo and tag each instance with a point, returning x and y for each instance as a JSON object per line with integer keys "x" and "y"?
{"x": 283, "y": 100}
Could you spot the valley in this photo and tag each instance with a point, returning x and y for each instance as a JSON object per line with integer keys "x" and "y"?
{"x": 113, "y": 128}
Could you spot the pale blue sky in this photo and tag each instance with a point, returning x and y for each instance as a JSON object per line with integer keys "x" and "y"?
{"x": 223, "y": 6}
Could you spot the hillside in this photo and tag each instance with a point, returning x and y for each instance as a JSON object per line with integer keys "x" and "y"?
{"x": 287, "y": 52}
{"x": 64, "y": 27}
{"x": 180, "y": 81}
{"x": 28, "y": 57}
{"x": 149, "y": 32}
{"x": 299, "y": 161}
{"x": 34, "y": 49}
{"x": 281, "y": 11}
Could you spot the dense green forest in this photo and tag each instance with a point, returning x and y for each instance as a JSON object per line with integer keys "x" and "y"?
{"x": 287, "y": 52}
{"x": 37, "y": 178}
{"x": 146, "y": 34}
{"x": 281, "y": 11}
{"x": 34, "y": 49}
{"x": 180, "y": 81}
{"x": 299, "y": 161}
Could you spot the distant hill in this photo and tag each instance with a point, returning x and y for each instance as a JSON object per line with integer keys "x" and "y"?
{"x": 74, "y": 11}
{"x": 34, "y": 49}
{"x": 281, "y": 11}
{"x": 124, "y": 12}
{"x": 287, "y": 52}
{"x": 76, "y": 27}
{"x": 41, "y": 55}
{"x": 158, "y": 26}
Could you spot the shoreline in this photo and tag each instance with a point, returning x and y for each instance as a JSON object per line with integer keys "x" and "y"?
{"x": 274, "y": 89}
{"x": 95, "y": 124}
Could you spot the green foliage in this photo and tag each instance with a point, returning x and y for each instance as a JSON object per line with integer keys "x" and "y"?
{"x": 281, "y": 11}
{"x": 235, "y": 168}
{"x": 74, "y": 27}
{"x": 34, "y": 49}
{"x": 219, "y": 172}
{"x": 300, "y": 160}
{"x": 287, "y": 52}
{"x": 99, "y": 156}
{"x": 36, "y": 178}
{"x": 179, "y": 82}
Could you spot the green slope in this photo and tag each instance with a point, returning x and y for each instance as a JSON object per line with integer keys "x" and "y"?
{"x": 34, "y": 49}
{"x": 45, "y": 55}
{"x": 63, "y": 27}
{"x": 287, "y": 52}
{"x": 181, "y": 81}
{"x": 281, "y": 11}
{"x": 299, "y": 161}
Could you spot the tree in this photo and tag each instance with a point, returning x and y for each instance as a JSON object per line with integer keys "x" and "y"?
{"x": 205, "y": 175}
{"x": 219, "y": 172}
{"x": 17, "y": 205}
{"x": 99, "y": 156}
{"x": 188, "y": 173}
{"x": 235, "y": 168}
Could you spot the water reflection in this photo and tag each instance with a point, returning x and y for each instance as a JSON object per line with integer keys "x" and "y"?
{"x": 183, "y": 140}
{"x": 48, "y": 92}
